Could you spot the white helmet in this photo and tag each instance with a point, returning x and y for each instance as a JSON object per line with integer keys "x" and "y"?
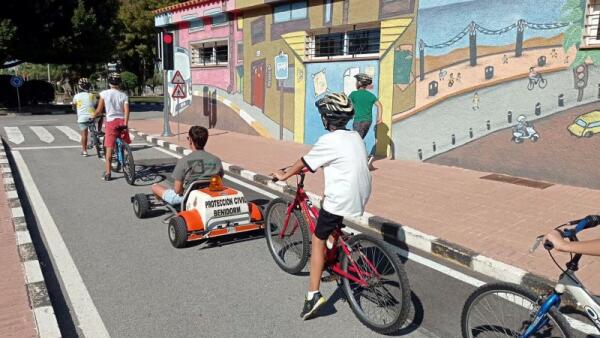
{"x": 521, "y": 118}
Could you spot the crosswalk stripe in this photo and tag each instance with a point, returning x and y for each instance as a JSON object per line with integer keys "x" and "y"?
{"x": 14, "y": 135}
{"x": 71, "y": 134}
{"x": 43, "y": 134}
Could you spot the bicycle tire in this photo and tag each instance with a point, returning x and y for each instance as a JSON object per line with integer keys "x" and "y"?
{"x": 280, "y": 255}
{"x": 521, "y": 322}
{"x": 543, "y": 83}
{"x": 356, "y": 304}
{"x": 128, "y": 166}
{"x": 530, "y": 85}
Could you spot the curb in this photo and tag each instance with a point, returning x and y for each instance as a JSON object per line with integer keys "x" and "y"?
{"x": 395, "y": 232}
{"x": 39, "y": 299}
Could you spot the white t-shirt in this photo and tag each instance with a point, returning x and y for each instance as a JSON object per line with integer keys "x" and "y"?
{"x": 343, "y": 155}
{"x": 84, "y": 103}
{"x": 114, "y": 103}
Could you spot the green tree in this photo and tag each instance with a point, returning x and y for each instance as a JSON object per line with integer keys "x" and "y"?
{"x": 58, "y": 31}
{"x": 136, "y": 48}
{"x": 130, "y": 81}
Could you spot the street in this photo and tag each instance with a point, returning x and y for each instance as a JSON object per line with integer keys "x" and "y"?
{"x": 141, "y": 286}
{"x": 118, "y": 275}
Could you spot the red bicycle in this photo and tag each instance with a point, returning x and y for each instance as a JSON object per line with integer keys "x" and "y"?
{"x": 372, "y": 276}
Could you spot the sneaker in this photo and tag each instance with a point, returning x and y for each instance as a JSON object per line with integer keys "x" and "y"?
{"x": 84, "y": 154}
{"x": 106, "y": 177}
{"x": 312, "y": 306}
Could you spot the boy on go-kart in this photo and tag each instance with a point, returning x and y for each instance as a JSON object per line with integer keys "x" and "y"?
{"x": 199, "y": 165}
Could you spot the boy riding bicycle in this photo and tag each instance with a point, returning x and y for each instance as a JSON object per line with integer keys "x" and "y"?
{"x": 199, "y": 165}
{"x": 343, "y": 156}
{"x": 84, "y": 103}
{"x": 116, "y": 104}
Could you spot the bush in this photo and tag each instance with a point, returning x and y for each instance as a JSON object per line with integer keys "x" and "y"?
{"x": 32, "y": 92}
{"x": 130, "y": 81}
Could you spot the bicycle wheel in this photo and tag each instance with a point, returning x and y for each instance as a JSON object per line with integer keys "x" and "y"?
{"x": 506, "y": 310}
{"x": 128, "y": 164}
{"x": 530, "y": 85}
{"x": 383, "y": 305}
{"x": 543, "y": 83}
{"x": 291, "y": 250}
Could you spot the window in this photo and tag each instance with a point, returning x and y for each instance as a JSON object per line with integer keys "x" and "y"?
{"x": 591, "y": 31}
{"x": 581, "y": 123}
{"x": 594, "y": 125}
{"x": 391, "y": 8}
{"x": 257, "y": 28}
{"x": 196, "y": 25}
{"x": 290, "y": 11}
{"x": 220, "y": 19}
{"x": 213, "y": 53}
{"x": 351, "y": 43}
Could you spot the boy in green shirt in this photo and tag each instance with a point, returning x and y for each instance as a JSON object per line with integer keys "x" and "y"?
{"x": 363, "y": 101}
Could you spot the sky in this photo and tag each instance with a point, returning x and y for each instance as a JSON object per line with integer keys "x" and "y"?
{"x": 435, "y": 3}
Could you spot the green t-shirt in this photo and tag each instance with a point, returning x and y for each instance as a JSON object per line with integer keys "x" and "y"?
{"x": 199, "y": 165}
{"x": 363, "y": 101}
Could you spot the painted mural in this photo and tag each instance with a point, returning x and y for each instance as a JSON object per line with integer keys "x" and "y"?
{"x": 496, "y": 90}
{"x": 490, "y": 85}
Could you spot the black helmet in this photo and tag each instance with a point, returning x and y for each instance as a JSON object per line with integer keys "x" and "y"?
{"x": 84, "y": 84}
{"x": 363, "y": 79}
{"x": 114, "y": 79}
{"x": 335, "y": 109}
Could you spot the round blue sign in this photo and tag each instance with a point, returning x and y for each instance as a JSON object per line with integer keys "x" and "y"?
{"x": 16, "y": 81}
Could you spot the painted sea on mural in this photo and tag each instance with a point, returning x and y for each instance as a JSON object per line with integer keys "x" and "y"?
{"x": 441, "y": 20}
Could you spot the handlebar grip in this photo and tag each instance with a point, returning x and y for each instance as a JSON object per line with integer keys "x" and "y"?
{"x": 587, "y": 223}
{"x": 548, "y": 245}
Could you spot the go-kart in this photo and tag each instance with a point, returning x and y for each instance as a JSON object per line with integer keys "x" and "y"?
{"x": 209, "y": 209}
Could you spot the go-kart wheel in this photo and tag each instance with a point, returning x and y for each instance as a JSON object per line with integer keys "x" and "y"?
{"x": 178, "y": 232}
{"x": 141, "y": 205}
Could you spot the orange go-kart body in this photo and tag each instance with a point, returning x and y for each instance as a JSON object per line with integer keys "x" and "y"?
{"x": 213, "y": 211}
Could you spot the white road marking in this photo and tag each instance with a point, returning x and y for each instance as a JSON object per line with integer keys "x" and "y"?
{"x": 575, "y": 324}
{"x": 14, "y": 135}
{"x": 71, "y": 134}
{"x": 89, "y": 320}
{"x": 64, "y": 147}
{"x": 43, "y": 134}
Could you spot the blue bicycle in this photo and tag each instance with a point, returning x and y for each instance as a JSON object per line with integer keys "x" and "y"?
{"x": 124, "y": 158}
{"x": 509, "y": 310}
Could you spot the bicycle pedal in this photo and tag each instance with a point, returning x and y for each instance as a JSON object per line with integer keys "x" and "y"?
{"x": 330, "y": 278}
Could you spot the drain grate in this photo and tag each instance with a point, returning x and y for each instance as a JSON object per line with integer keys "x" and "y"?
{"x": 518, "y": 181}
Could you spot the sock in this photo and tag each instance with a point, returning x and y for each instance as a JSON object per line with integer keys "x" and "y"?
{"x": 329, "y": 245}
{"x": 311, "y": 294}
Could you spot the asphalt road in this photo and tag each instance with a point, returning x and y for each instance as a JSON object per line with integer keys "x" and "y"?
{"x": 142, "y": 287}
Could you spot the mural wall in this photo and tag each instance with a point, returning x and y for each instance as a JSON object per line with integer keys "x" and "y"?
{"x": 490, "y": 85}
{"x": 496, "y": 90}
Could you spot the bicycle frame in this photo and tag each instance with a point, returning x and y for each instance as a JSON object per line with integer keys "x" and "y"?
{"x": 567, "y": 282}
{"x": 311, "y": 213}
{"x": 119, "y": 150}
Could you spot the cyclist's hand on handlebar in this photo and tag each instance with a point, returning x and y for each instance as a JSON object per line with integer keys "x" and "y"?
{"x": 279, "y": 175}
{"x": 554, "y": 240}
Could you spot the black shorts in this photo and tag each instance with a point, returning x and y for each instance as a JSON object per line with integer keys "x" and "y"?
{"x": 327, "y": 223}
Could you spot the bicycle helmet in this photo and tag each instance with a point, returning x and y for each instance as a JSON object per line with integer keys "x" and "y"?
{"x": 363, "y": 79}
{"x": 84, "y": 84}
{"x": 114, "y": 79}
{"x": 335, "y": 109}
{"x": 521, "y": 118}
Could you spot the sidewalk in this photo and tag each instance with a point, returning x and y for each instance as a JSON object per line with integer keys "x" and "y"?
{"x": 16, "y": 315}
{"x": 495, "y": 219}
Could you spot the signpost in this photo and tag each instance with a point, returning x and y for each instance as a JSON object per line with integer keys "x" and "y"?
{"x": 281, "y": 74}
{"x": 17, "y": 81}
{"x": 179, "y": 92}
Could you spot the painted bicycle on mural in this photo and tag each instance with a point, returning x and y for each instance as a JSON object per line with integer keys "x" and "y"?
{"x": 536, "y": 78}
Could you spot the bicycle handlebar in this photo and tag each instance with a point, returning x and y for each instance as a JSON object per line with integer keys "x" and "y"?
{"x": 580, "y": 225}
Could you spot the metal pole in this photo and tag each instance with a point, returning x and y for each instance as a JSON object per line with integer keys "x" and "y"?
{"x": 48, "y": 72}
{"x": 18, "y": 101}
{"x": 166, "y": 101}
{"x": 178, "y": 120}
{"x": 281, "y": 105}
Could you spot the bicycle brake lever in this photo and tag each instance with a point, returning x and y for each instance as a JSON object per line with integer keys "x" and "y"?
{"x": 536, "y": 244}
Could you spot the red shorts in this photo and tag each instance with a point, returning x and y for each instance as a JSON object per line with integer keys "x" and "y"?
{"x": 112, "y": 132}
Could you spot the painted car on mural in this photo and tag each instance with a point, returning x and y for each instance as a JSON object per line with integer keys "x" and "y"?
{"x": 209, "y": 209}
{"x": 586, "y": 125}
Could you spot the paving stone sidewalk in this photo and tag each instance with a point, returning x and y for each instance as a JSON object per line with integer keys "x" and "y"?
{"x": 16, "y": 315}
{"x": 495, "y": 219}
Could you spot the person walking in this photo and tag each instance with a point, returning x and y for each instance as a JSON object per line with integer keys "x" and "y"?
{"x": 363, "y": 102}
{"x": 84, "y": 102}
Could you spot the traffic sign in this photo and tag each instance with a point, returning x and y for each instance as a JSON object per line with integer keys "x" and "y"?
{"x": 177, "y": 78}
{"x": 281, "y": 66}
{"x": 179, "y": 92}
{"x": 16, "y": 81}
